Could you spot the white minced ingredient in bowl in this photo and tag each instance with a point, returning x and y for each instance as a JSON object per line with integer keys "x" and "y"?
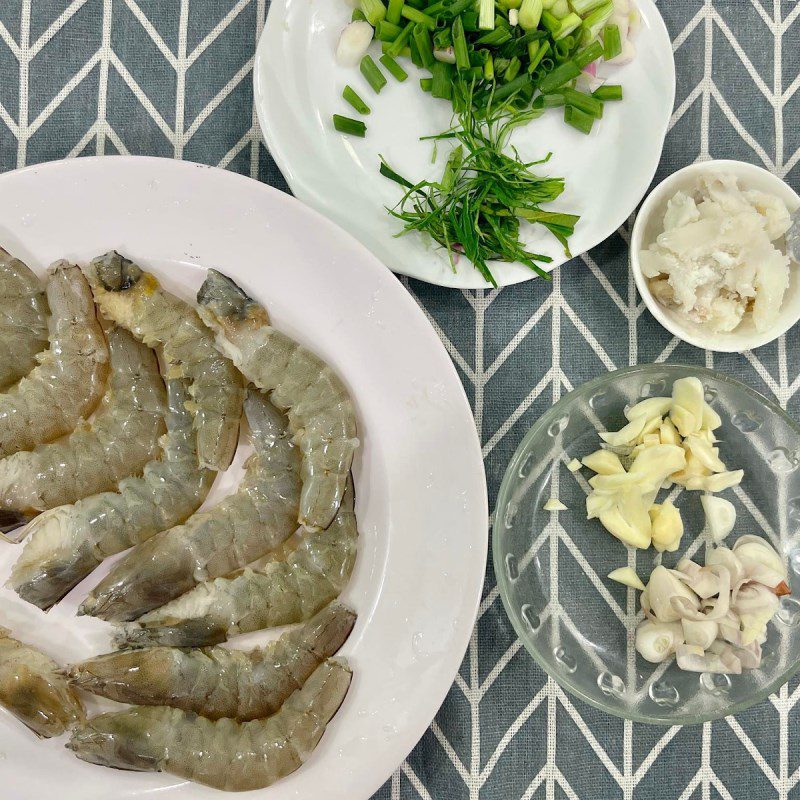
{"x": 715, "y": 261}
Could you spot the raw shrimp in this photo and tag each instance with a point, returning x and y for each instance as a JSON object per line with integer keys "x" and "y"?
{"x": 68, "y": 542}
{"x": 226, "y": 754}
{"x": 134, "y": 299}
{"x": 290, "y": 587}
{"x": 121, "y": 439}
{"x": 23, "y": 319}
{"x": 321, "y": 413}
{"x": 244, "y": 526}
{"x": 32, "y": 689}
{"x": 217, "y": 682}
{"x": 71, "y": 377}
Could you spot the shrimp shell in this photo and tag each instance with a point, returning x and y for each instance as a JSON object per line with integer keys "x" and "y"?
{"x": 217, "y": 682}
{"x": 244, "y": 526}
{"x": 33, "y": 691}
{"x": 121, "y": 439}
{"x": 134, "y": 299}
{"x": 321, "y": 413}
{"x": 225, "y": 754}
{"x": 23, "y": 319}
{"x": 71, "y": 377}
{"x": 289, "y": 587}
{"x": 68, "y": 542}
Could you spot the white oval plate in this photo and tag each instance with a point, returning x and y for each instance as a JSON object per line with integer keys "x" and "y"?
{"x": 298, "y": 87}
{"x": 420, "y": 486}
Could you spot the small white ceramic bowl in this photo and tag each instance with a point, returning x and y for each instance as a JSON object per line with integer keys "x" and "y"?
{"x": 649, "y": 223}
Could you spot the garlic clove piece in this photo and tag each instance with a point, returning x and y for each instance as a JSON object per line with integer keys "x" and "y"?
{"x": 597, "y": 504}
{"x": 668, "y": 432}
{"x": 683, "y": 420}
{"x": 723, "y": 480}
{"x": 720, "y": 516}
{"x": 611, "y": 484}
{"x": 616, "y": 524}
{"x": 626, "y": 435}
{"x": 604, "y": 462}
{"x": 688, "y": 393}
{"x": 651, "y": 439}
{"x": 656, "y": 463}
{"x": 705, "y": 453}
{"x": 667, "y": 529}
{"x": 554, "y": 504}
{"x": 657, "y": 641}
{"x": 574, "y": 465}
{"x": 627, "y": 577}
{"x": 650, "y": 408}
{"x": 711, "y": 420}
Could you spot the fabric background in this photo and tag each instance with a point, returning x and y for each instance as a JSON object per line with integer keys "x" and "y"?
{"x": 173, "y": 78}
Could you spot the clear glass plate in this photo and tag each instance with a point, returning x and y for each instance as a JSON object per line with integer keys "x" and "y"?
{"x": 552, "y": 567}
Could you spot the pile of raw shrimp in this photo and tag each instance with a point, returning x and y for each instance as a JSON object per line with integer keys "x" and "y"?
{"x": 99, "y": 453}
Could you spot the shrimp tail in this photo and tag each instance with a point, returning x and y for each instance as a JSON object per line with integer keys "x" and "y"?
{"x": 115, "y": 272}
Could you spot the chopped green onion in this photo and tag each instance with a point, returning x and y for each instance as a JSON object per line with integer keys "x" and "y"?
{"x": 425, "y": 84}
{"x": 442, "y": 75}
{"x": 530, "y": 13}
{"x": 612, "y": 42}
{"x": 416, "y": 58}
{"x": 578, "y": 119}
{"x": 511, "y": 87}
{"x": 583, "y": 7}
{"x": 442, "y": 39}
{"x": 488, "y": 68}
{"x": 374, "y": 76}
{"x": 562, "y": 74}
{"x": 351, "y": 97}
{"x": 393, "y": 12}
{"x": 458, "y": 7}
{"x": 563, "y": 48}
{"x": 611, "y": 91}
{"x": 496, "y": 37}
{"x": 585, "y": 102}
{"x": 353, "y": 127}
{"x": 595, "y": 21}
{"x": 559, "y": 28}
{"x": 393, "y": 68}
{"x": 415, "y": 15}
{"x": 588, "y": 54}
{"x": 374, "y": 11}
{"x": 512, "y": 70}
{"x": 486, "y": 15}
{"x": 396, "y": 47}
{"x": 536, "y": 52}
{"x": 357, "y": 15}
{"x": 386, "y": 32}
{"x": 554, "y": 100}
{"x": 560, "y": 9}
{"x": 470, "y": 20}
{"x": 416, "y": 3}
{"x": 460, "y": 47}
{"x": 422, "y": 39}
{"x": 386, "y": 47}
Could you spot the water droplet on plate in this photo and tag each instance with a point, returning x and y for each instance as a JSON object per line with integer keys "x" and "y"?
{"x": 531, "y": 618}
{"x": 558, "y": 427}
{"x": 511, "y": 567}
{"x": 789, "y": 612}
{"x": 715, "y": 683}
{"x": 782, "y": 460}
{"x": 565, "y": 659}
{"x": 610, "y": 684}
{"x": 664, "y": 694}
{"x": 747, "y": 421}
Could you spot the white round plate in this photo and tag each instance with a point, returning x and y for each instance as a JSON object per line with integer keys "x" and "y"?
{"x": 298, "y": 87}
{"x": 420, "y": 486}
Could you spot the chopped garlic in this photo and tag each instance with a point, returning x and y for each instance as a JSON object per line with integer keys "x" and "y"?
{"x": 574, "y": 465}
{"x": 720, "y": 516}
{"x": 603, "y": 462}
{"x": 554, "y": 504}
{"x": 627, "y": 577}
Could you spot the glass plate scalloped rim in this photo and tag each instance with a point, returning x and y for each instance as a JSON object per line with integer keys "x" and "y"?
{"x": 500, "y": 571}
{"x": 297, "y": 87}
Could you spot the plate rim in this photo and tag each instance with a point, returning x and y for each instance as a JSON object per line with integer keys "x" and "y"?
{"x": 563, "y": 681}
{"x": 311, "y": 198}
{"x": 471, "y": 594}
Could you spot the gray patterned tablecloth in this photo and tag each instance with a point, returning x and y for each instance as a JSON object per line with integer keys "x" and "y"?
{"x": 173, "y": 78}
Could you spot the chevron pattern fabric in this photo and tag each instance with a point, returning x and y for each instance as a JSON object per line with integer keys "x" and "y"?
{"x": 173, "y": 78}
